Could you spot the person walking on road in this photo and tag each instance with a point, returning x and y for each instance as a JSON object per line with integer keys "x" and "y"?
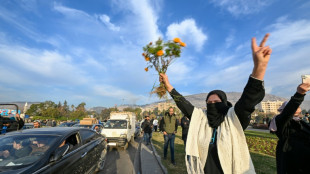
{"x": 155, "y": 124}
{"x": 147, "y": 129}
{"x": 169, "y": 126}
{"x": 292, "y": 152}
{"x": 216, "y": 142}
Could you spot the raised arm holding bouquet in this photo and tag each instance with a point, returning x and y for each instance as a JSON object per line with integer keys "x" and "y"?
{"x": 159, "y": 56}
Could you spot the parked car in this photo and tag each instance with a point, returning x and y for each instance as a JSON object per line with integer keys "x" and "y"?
{"x": 67, "y": 124}
{"x": 95, "y": 127}
{"x": 28, "y": 126}
{"x": 52, "y": 150}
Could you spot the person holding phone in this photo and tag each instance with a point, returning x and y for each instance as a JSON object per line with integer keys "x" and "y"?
{"x": 216, "y": 142}
{"x": 293, "y": 148}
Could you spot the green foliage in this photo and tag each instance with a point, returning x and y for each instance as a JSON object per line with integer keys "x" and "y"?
{"x": 50, "y": 110}
{"x": 137, "y": 111}
{"x": 259, "y": 119}
{"x": 105, "y": 113}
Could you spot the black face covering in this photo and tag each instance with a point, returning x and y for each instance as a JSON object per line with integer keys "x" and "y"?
{"x": 216, "y": 112}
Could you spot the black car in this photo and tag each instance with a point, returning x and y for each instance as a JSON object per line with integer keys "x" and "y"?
{"x": 52, "y": 150}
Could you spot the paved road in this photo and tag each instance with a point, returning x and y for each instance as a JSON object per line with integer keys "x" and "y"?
{"x": 121, "y": 161}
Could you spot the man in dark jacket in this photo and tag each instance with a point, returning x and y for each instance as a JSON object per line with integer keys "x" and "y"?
{"x": 292, "y": 152}
{"x": 147, "y": 127}
{"x": 169, "y": 126}
{"x": 185, "y": 127}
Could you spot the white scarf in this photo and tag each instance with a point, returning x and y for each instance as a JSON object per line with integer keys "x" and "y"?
{"x": 232, "y": 148}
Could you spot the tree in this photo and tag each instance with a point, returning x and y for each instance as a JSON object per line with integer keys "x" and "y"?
{"x": 258, "y": 119}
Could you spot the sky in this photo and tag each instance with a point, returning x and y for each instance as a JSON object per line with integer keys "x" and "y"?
{"x": 90, "y": 51}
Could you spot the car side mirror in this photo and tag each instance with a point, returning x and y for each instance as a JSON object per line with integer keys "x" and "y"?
{"x": 60, "y": 152}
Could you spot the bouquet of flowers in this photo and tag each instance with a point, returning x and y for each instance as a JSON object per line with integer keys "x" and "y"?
{"x": 159, "y": 56}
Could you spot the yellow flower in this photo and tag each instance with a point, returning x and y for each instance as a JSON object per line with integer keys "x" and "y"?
{"x": 160, "y": 53}
{"x": 146, "y": 69}
{"x": 147, "y": 59}
{"x": 183, "y": 44}
{"x": 177, "y": 40}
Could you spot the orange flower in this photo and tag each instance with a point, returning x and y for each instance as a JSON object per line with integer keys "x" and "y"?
{"x": 160, "y": 53}
{"x": 146, "y": 69}
{"x": 147, "y": 59}
{"x": 183, "y": 44}
{"x": 151, "y": 43}
{"x": 143, "y": 54}
{"x": 177, "y": 40}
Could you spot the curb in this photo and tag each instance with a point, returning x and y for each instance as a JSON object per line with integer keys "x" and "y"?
{"x": 158, "y": 159}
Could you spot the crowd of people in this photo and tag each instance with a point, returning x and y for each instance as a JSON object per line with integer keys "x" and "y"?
{"x": 214, "y": 139}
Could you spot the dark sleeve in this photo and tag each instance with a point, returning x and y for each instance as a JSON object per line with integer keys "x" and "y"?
{"x": 253, "y": 93}
{"x": 185, "y": 106}
{"x": 182, "y": 122}
{"x": 20, "y": 123}
{"x": 288, "y": 112}
{"x": 161, "y": 125}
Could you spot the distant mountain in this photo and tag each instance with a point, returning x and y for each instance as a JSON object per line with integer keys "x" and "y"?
{"x": 198, "y": 100}
{"x": 98, "y": 109}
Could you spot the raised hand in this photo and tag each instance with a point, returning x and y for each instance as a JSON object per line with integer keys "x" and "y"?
{"x": 163, "y": 78}
{"x": 261, "y": 55}
{"x": 303, "y": 88}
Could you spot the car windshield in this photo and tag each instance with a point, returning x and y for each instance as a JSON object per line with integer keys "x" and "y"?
{"x": 116, "y": 124}
{"x": 83, "y": 126}
{"x": 22, "y": 150}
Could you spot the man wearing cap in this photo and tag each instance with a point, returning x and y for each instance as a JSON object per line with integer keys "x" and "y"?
{"x": 216, "y": 142}
{"x": 292, "y": 152}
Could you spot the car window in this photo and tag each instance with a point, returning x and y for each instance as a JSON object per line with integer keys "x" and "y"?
{"x": 73, "y": 141}
{"x": 87, "y": 135}
{"x": 23, "y": 150}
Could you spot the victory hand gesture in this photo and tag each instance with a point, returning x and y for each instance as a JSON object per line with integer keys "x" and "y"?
{"x": 261, "y": 55}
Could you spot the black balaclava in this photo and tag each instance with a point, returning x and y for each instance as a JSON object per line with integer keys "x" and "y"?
{"x": 216, "y": 111}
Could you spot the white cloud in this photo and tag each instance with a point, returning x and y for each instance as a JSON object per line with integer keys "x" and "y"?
{"x": 120, "y": 94}
{"x": 140, "y": 21}
{"x": 51, "y": 66}
{"x": 284, "y": 33}
{"x": 106, "y": 20}
{"x": 242, "y": 7}
{"x": 189, "y": 32}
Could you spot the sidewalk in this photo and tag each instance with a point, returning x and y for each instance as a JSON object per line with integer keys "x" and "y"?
{"x": 150, "y": 163}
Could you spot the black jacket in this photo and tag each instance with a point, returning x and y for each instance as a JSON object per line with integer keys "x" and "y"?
{"x": 293, "y": 148}
{"x": 185, "y": 127}
{"x": 147, "y": 126}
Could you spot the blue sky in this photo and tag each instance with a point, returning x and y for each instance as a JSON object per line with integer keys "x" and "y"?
{"x": 90, "y": 51}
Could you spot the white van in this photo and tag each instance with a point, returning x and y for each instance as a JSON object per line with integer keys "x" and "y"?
{"x": 120, "y": 129}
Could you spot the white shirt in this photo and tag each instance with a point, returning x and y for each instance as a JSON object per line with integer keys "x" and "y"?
{"x": 155, "y": 122}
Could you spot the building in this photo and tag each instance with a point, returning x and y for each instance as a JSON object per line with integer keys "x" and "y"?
{"x": 271, "y": 106}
